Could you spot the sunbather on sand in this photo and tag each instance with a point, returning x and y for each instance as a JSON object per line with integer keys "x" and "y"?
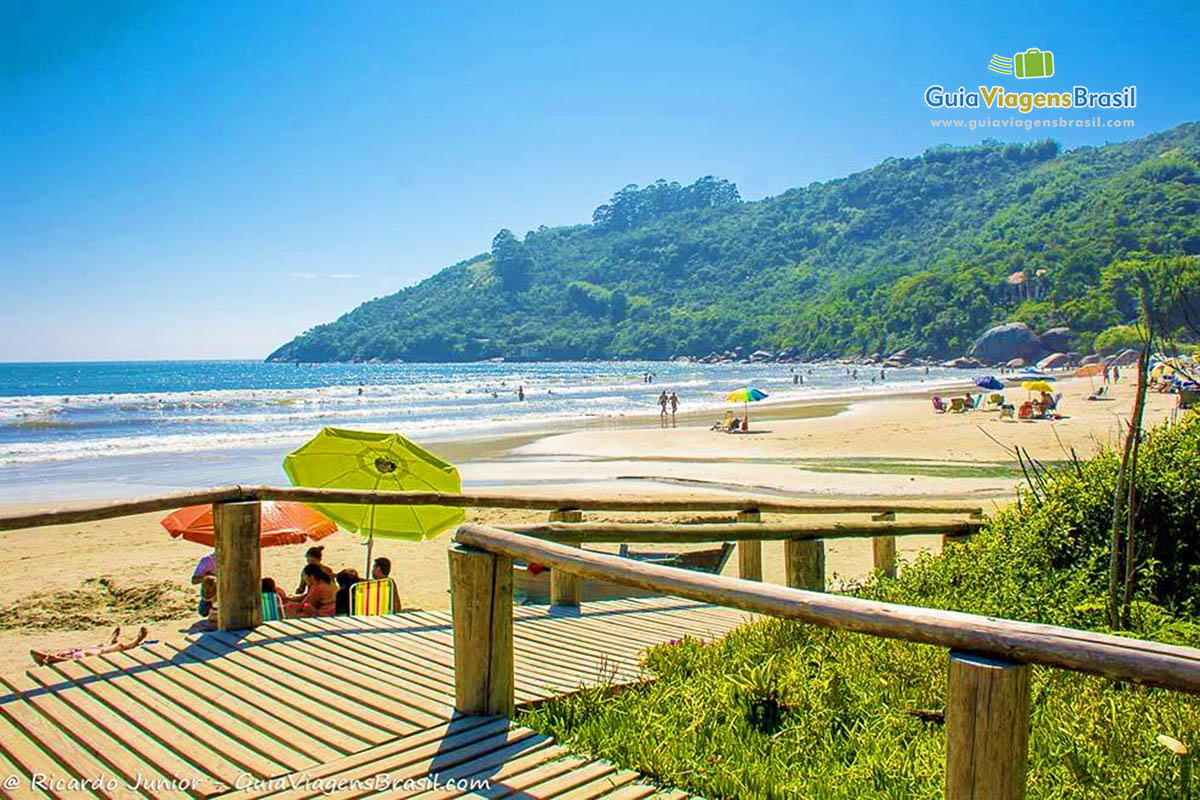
{"x": 114, "y": 645}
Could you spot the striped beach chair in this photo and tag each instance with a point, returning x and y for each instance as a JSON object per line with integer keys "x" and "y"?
{"x": 374, "y": 598}
{"x": 271, "y": 609}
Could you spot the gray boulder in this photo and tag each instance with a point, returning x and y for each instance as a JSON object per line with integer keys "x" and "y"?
{"x": 1058, "y": 340}
{"x": 1006, "y": 342}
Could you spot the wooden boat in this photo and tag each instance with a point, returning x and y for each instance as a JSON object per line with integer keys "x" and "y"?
{"x": 533, "y": 586}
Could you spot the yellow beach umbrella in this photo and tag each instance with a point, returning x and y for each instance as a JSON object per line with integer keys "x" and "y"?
{"x": 1037, "y": 386}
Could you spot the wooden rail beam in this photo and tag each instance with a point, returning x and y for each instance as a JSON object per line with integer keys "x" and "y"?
{"x": 1118, "y": 658}
{"x": 481, "y": 588}
{"x": 672, "y": 533}
{"x": 89, "y": 512}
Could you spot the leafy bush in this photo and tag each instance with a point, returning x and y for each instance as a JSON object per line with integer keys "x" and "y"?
{"x": 782, "y": 709}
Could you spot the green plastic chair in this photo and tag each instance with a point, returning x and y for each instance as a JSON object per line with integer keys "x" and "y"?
{"x": 271, "y": 609}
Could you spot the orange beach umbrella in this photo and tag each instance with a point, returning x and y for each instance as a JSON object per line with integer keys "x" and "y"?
{"x": 281, "y": 523}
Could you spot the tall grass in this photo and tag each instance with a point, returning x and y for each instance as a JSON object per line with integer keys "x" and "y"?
{"x": 783, "y": 709}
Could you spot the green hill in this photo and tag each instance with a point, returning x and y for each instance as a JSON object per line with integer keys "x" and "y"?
{"x": 914, "y": 252}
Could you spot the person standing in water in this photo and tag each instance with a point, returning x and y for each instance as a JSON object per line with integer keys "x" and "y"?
{"x": 521, "y": 393}
{"x": 674, "y": 407}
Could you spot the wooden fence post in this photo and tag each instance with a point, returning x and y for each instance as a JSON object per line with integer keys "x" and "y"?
{"x": 987, "y": 728}
{"x": 750, "y": 550}
{"x": 564, "y": 587}
{"x": 239, "y": 569}
{"x": 885, "y": 547}
{"x": 481, "y": 588}
{"x": 804, "y": 563}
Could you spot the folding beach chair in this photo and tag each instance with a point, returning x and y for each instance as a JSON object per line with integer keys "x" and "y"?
{"x": 271, "y": 608}
{"x": 957, "y": 405}
{"x": 374, "y": 598}
{"x": 939, "y": 405}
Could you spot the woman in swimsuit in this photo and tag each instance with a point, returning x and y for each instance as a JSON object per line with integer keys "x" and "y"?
{"x": 320, "y": 599}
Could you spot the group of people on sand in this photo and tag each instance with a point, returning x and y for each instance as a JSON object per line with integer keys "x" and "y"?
{"x": 668, "y": 404}
{"x": 321, "y": 592}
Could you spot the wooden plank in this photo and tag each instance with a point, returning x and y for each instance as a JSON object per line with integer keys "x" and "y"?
{"x": 203, "y": 762}
{"x": 159, "y": 713}
{"x": 521, "y": 782}
{"x": 337, "y": 729}
{"x": 676, "y": 533}
{"x": 1118, "y": 658}
{"x": 587, "y": 773}
{"x": 120, "y": 760}
{"x": 130, "y": 734}
{"x": 436, "y": 685}
{"x": 518, "y": 741}
{"x": 253, "y": 708}
{"x": 210, "y": 709}
{"x": 460, "y": 732}
{"x": 23, "y": 790}
{"x": 351, "y": 666}
{"x": 32, "y": 761}
{"x": 18, "y": 721}
{"x": 311, "y": 672}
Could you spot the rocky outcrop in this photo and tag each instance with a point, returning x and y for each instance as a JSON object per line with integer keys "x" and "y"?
{"x": 1056, "y": 361}
{"x": 1006, "y": 342}
{"x": 1058, "y": 340}
{"x": 1124, "y": 358}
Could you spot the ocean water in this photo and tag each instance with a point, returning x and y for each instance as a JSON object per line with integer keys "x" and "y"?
{"x": 182, "y": 423}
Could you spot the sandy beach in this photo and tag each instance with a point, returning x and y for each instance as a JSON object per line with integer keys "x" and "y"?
{"x": 71, "y": 584}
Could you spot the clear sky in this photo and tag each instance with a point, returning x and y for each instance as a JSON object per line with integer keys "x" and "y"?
{"x": 208, "y": 179}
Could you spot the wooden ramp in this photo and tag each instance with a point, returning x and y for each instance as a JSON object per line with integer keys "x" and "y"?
{"x": 350, "y": 706}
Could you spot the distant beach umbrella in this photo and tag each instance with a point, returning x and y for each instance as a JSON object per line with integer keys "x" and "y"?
{"x": 745, "y": 395}
{"x": 280, "y": 523}
{"x": 989, "y": 382}
{"x": 347, "y": 459}
{"x": 1089, "y": 370}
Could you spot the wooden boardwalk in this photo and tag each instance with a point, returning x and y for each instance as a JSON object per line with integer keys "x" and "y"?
{"x": 346, "y": 706}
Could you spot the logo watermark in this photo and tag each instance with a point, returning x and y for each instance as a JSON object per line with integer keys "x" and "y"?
{"x": 1033, "y": 63}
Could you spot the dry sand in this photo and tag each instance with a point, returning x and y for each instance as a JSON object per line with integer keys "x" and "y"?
{"x": 71, "y": 583}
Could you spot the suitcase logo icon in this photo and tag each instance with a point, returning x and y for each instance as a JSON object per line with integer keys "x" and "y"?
{"x": 1033, "y": 63}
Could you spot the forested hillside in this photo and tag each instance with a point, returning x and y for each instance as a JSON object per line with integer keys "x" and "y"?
{"x": 915, "y": 252}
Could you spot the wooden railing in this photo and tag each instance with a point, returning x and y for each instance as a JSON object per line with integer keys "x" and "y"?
{"x": 987, "y": 707}
{"x": 804, "y": 547}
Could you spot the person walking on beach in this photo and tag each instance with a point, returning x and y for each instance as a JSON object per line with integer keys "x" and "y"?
{"x": 674, "y": 407}
{"x": 662, "y": 408}
{"x": 1107, "y": 375}
{"x": 1116, "y": 373}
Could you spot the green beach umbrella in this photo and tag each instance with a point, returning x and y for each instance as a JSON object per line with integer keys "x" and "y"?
{"x": 346, "y": 459}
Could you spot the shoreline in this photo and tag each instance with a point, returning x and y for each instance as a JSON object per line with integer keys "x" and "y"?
{"x": 877, "y": 449}
{"x": 124, "y": 476}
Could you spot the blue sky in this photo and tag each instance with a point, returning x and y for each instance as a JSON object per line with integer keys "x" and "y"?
{"x": 206, "y": 180}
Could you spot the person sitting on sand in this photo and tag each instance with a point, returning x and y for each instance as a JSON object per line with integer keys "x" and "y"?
{"x": 270, "y": 587}
{"x": 114, "y": 645}
{"x": 345, "y": 579}
{"x": 312, "y": 556}
{"x": 319, "y": 599}
{"x": 208, "y": 598}
{"x": 736, "y": 425}
{"x": 382, "y": 569}
{"x": 206, "y": 567}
